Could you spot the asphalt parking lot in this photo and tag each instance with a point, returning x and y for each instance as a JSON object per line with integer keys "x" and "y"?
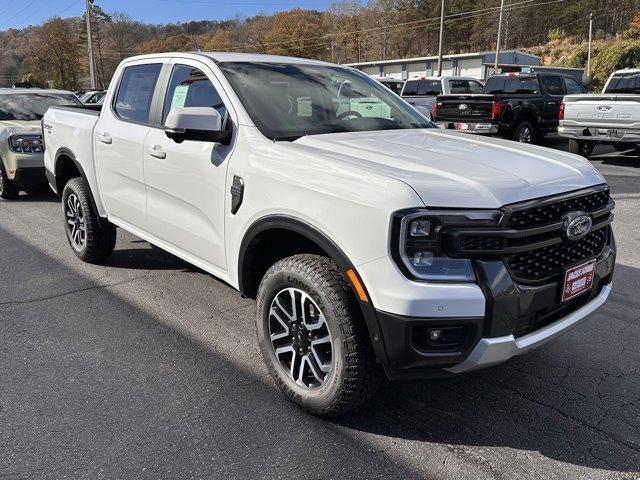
{"x": 148, "y": 368}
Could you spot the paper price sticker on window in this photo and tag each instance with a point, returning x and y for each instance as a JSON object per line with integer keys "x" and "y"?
{"x": 179, "y": 96}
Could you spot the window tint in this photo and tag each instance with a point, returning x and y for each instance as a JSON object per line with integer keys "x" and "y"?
{"x": 523, "y": 85}
{"x": 135, "y": 93}
{"x": 429, "y": 87}
{"x": 572, "y": 86}
{"x": 410, "y": 88}
{"x": 190, "y": 87}
{"x": 466, "y": 86}
{"x": 627, "y": 83}
{"x": 494, "y": 85}
{"x": 553, "y": 85}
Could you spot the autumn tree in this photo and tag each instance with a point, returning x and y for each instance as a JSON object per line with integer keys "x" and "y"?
{"x": 53, "y": 54}
{"x": 297, "y": 33}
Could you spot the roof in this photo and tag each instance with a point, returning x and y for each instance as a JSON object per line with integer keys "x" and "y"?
{"x": 628, "y": 70}
{"x": 435, "y": 57}
{"x": 232, "y": 57}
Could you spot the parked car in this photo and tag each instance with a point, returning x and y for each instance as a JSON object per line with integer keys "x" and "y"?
{"x": 393, "y": 84}
{"x": 520, "y": 107}
{"x": 422, "y": 92}
{"x": 369, "y": 243}
{"x": 21, "y": 147}
{"x": 611, "y": 117}
{"x": 92, "y": 97}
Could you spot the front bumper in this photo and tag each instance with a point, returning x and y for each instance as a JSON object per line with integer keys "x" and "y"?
{"x": 596, "y": 134}
{"x": 512, "y": 319}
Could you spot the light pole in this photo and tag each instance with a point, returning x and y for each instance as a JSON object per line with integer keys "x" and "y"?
{"x": 589, "y": 49}
{"x": 495, "y": 64}
{"x": 92, "y": 72}
{"x": 441, "y": 36}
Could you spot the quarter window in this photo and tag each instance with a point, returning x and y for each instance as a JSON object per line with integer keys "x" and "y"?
{"x": 135, "y": 93}
{"x": 190, "y": 87}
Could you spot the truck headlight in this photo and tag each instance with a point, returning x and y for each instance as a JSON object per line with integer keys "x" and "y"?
{"x": 26, "y": 143}
{"x": 417, "y": 242}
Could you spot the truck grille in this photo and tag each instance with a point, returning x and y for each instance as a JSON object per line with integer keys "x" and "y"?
{"x": 530, "y": 238}
{"x": 546, "y": 213}
{"x": 551, "y": 261}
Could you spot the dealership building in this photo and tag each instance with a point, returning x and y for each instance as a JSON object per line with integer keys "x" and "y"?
{"x": 478, "y": 65}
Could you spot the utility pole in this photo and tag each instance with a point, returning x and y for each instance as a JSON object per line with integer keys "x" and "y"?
{"x": 92, "y": 72}
{"x": 589, "y": 49}
{"x": 495, "y": 64}
{"x": 441, "y": 36}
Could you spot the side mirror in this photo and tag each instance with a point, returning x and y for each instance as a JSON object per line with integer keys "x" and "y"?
{"x": 202, "y": 124}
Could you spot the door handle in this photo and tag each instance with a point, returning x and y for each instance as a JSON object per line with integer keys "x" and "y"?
{"x": 157, "y": 152}
{"x": 104, "y": 137}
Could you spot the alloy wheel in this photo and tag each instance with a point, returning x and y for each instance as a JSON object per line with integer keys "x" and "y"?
{"x": 75, "y": 222}
{"x": 525, "y": 135}
{"x": 300, "y": 338}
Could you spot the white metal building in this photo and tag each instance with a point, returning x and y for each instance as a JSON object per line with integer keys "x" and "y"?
{"x": 475, "y": 65}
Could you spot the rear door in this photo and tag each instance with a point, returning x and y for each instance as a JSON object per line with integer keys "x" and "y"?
{"x": 554, "y": 89}
{"x": 186, "y": 182}
{"x": 119, "y": 137}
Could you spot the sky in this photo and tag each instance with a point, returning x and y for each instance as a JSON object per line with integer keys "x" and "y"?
{"x": 20, "y": 13}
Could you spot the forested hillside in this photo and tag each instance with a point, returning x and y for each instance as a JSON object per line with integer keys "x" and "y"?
{"x": 54, "y": 53}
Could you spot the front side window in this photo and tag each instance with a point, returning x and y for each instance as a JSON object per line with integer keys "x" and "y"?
{"x": 190, "y": 87}
{"x": 287, "y": 101}
{"x": 465, "y": 86}
{"x": 32, "y": 106}
{"x": 553, "y": 85}
{"x": 135, "y": 93}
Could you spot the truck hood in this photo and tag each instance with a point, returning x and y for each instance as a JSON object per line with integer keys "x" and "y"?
{"x": 21, "y": 126}
{"x": 456, "y": 169}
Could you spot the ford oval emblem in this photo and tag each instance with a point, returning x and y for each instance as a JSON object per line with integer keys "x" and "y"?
{"x": 576, "y": 225}
{"x": 463, "y": 106}
{"x": 603, "y": 108}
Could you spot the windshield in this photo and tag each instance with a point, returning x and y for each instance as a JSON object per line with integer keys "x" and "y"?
{"x": 32, "y": 106}
{"x": 288, "y": 101}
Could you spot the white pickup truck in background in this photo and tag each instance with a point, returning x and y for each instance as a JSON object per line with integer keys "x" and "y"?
{"x": 611, "y": 117}
{"x": 421, "y": 93}
{"x": 372, "y": 242}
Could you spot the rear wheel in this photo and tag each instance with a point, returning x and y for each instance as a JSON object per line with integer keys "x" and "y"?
{"x": 312, "y": 337}
{"x": 8, "y": 188}
{"x": 91, "y": 238}
{"x": 581, "y": 147}
{"x": 525, "y": 132}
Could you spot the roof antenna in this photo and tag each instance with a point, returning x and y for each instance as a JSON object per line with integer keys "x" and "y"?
{"x": 195, "y": 43}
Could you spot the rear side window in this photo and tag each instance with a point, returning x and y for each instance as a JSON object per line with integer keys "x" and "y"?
{"x": 494, "y": 85}
{"x": 553, "y": 85}
{"x": 190, "y": 87}
{"x": 572, "y": 86}
{"x": 135, "y": 93}
{"x": 522, "y": 85}
{"x": 465, "y": 86}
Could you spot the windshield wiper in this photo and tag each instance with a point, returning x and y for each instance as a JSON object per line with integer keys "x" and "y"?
{"x": 287, "y": 138}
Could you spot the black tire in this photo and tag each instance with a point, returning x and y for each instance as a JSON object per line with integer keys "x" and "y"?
{"x": 8, "y": 188}
{"x": 349, "y": 113}
{"x": 581, "y": 147}
{"x": 99, "y": 235}
{"x": 525, "y": 132}
{"x": 354, "y": 375}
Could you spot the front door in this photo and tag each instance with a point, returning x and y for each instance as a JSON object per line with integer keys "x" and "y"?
{"x": 186, "y": 182}
{"x": 119, "y": 136}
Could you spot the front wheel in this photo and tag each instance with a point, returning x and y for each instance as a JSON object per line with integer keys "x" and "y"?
{"x": 312, "y": 337}
{"x": 581, "y": 147}
{"x": 8, "y": 189}
{"x": 91, "y": 238}
{"x": 525, "y": 132}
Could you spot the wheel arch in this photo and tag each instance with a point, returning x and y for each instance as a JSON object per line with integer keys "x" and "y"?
{"x": 254, "y": 261}
{"x": 66, "y": 167}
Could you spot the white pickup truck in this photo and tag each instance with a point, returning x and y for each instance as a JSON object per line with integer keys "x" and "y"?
{"x": 611, "y": 117}
{"x": 372, "y": 243}
{"x": 421, "y": 93}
